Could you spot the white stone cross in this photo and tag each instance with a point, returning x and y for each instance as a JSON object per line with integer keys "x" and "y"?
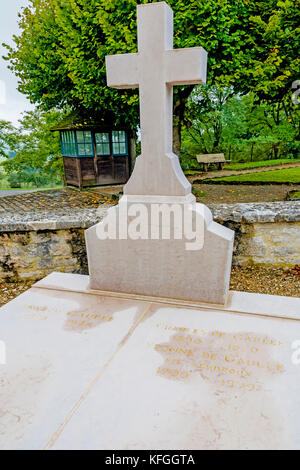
{"x": 155, "y": 69}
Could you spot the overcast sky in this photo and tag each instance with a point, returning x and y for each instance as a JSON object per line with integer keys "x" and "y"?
{"x": 14, "y": 103}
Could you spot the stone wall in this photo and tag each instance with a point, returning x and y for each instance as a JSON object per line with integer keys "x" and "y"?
{"x": 34, "y": 254}
{"x": 270, "y": 243}
{"x": 266, "y": 233}
{"x": 34, "y": 244}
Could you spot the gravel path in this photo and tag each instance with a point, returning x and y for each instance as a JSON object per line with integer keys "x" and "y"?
{"x": 235, "y": 194}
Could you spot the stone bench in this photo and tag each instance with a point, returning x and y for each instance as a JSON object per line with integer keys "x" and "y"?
{"x": 212, "y": 158}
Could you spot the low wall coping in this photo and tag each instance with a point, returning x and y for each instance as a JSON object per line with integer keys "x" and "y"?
{"x": 263, "y": 212}
{"x": 257, "y": 212}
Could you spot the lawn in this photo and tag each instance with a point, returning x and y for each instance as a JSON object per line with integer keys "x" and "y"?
{"x": 249, "y": 165}
{"x": 193, "y": 172}
{"x": 245, "y": 166}
{"x": 288, "y": 175}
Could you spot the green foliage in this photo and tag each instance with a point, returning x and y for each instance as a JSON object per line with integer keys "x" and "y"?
{"x": 198, "y": 192}
{"x": 205, "y": 116}
{"x": 295, "y": 195}
{"x": 275, "y": 57}
{"x": 219, "y": 121}
{"x": 59, "y": 55}
{"x": 249, "y": 165}
{"x": 15, "y": 179}
{"x": 8, "y": 138}
{"x": 36, "y": 148}
{"x": 3, "y": 180}
{"x": 59, "y": 58}
{"x": 29, "y": 179}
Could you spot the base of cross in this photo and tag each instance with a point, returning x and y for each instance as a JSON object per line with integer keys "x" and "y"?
{"x": 164, "y": 246}
{"x": 161, "y": 175}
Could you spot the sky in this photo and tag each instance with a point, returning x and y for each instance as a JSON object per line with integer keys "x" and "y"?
{"x": 12, "y": 103}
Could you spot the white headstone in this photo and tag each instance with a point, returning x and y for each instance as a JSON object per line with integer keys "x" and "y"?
{"x": 134, "y": 258}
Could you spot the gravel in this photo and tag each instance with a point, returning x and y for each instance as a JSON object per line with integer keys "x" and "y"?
{"x": 10, "y": 290}
{"x": 236, "y": 194}
{"x": 273, "y": 281}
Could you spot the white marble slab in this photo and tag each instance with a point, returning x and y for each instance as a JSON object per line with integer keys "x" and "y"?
{"x": 92, "y": 371}
{"x": 183, "y": 381}
{"x": 57, "y": 345}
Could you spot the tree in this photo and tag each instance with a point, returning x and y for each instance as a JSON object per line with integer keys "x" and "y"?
{"x": 8, "y": 138}
{"x": 37, "y": 148}
{"x": 217, "y": 120}
{"x": 275, "y": 58}
{"x": 276, "y": 123}
{"x": 205, "y": 116}
{"x": 215, "y": 116}
{"x": 59, "y": 56}
{"x": 2, "y": 175}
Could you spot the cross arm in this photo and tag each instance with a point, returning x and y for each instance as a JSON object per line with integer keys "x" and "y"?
{"x": 122, "y": 70}
{"x": 186, "y": 66}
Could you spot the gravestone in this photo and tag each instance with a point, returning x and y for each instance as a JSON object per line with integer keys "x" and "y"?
{"x": 158, "y": 193}
{"x": 98, "y": 370}
{"x": 84, "y": 368}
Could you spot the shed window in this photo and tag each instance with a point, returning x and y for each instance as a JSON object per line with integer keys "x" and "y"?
{"x": 85, "y": 144}
{"x": 119, "y": 143}
{"x": 102, "y": 143}
{"x": 68, "y": 144}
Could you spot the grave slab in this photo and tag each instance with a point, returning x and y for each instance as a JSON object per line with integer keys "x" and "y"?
{"x": 56, "y": 345}
{"x": 190, "y": 379}
{"x": 160, "y": 375}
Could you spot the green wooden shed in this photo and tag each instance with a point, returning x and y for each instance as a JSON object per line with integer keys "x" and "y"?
{"x": 95, "y": 152}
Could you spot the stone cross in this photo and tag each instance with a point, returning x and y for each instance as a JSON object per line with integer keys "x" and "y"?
{"x": 155, "y": 69}
{"x": 148, "y": 264}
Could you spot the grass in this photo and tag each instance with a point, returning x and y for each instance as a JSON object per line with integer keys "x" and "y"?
{"x": 198, "y": 192}
{"x": 193, "y": 172}
{"x": 249, "y": 165}
{"x": 288, "y": 175}
{"x": 246, "y": 166}
{"x": 294, "y": 195}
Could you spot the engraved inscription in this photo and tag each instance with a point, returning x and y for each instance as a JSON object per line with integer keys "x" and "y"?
{"x": 241, "y": 360}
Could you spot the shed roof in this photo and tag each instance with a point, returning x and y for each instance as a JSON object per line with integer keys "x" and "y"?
{"x": 83, "y": 119}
